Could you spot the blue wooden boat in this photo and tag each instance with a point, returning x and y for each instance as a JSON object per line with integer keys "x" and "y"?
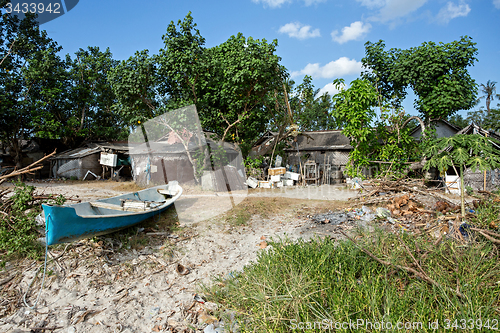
{"x": 88, "y": 219}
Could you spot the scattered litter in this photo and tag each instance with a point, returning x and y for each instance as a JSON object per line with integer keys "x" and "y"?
{"x": 40, "y": 220}
{"x": 355, "y": 183}
{"x": 383, "y": 212}
{"x": 181, "y": 269}
{"x": 252, "y": 182}
{"x": 198, "y": 298}
{"x": 153, "y": 312}
{"x": 213, "y": 329}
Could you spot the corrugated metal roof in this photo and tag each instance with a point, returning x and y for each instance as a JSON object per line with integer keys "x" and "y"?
{"x": 322, "y": 140}
{"x": 76, "y": 153}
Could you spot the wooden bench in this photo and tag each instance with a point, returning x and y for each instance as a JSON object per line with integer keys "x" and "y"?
{"x": 105, "y": 205}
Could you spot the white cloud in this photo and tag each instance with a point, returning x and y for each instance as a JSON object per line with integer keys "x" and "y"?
{"x": 372, "y": 3}
{"x": 298, "y": 30}
{"x": 278, "y": 3}
{"x": 355, "y": 31}
{"x": 390, "y": 10}
{"x": 329, "y": 88}
{"x": 338, "y": 68}
{"x": 496, "y": 3}
{"x": 312, "y": 2}
{"x": 451, "y": 11}
{"x": 272, "y": 3}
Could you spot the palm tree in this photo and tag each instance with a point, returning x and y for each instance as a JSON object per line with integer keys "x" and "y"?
{"x": 489, "y": 93}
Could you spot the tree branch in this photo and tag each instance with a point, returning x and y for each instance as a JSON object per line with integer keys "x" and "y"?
{"x": 403, "y": 268}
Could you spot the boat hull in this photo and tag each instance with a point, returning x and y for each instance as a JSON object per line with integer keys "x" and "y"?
{"x": 84, "y": 220}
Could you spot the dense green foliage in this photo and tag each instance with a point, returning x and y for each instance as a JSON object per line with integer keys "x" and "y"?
{"x": 437, "y": 74}
{"x": 312, "y": 112}
{"x": 379, "y": 139}
{"x": 24, "y": 87}
{"x": 231, "y": 84}
{"x": 324, "y": 283}
{"x": 45, "y": 96}
{"x": 18, "y": 230}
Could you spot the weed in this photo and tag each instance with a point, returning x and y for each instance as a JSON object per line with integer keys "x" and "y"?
{"x": 487, "y": 214}
{"x": 469, "y": 190}
{"x": 321, "y": 281}
{"x": 263, "y": 207}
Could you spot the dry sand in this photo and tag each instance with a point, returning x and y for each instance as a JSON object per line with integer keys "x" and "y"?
{"x": 103, "y": 286}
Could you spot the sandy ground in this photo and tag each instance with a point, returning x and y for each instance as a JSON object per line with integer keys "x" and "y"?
{"x": 106, "y": 286}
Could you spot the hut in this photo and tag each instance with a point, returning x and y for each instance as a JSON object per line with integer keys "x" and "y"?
{"x": 163, "y": 161}
{"x": 320, "y": 152}
{"x": 76, "y": 163}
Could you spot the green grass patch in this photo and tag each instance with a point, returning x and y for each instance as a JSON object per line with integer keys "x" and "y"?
{"x": 324, "y": 283}
{"x": 488, "y": 214}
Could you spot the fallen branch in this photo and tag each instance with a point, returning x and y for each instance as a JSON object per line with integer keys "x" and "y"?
{"x": 403, "y": 268}
{"x": 485, "y": 233}
{"x": 29, "y": 169}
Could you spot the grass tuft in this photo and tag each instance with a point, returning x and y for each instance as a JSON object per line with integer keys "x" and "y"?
{"x": 324, "y": 282}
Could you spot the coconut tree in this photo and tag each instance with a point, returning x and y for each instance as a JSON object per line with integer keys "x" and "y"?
{"x": 489, "y": 91}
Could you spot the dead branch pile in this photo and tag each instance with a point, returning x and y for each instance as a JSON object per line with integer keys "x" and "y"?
{"x": 386, "y": 190}
{"x": 408, "y": 202}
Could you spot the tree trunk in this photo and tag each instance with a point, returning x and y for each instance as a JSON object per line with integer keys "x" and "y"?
{"x": 462, "y": 200}
{"x": 16, "y": 153}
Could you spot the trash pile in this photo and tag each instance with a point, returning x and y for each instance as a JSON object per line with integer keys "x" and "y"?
{"x": 408, "y": 206}
{"x": 278, "y": 177}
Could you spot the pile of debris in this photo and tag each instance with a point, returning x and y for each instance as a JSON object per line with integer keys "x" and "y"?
{"x": 277, "y": 177}
{"x": 407, "y": 205}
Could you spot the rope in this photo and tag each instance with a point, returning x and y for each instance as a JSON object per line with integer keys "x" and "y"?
{"x": 38, "y": 270}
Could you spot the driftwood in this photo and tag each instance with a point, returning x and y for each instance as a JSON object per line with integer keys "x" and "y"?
{"x": 29, "y": 169}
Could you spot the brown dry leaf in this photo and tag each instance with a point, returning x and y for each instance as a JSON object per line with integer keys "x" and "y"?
{"x": 205, "y": 318}
{"x": 263, "y": 244}
{"x": 263, "y": 237}
{"x": 157, "y": 328}
{"x": 173, "y": 323}
{"x": 494, "y": 224}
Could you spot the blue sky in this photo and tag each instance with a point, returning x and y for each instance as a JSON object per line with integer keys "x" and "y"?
{"x": 321, "y": 38}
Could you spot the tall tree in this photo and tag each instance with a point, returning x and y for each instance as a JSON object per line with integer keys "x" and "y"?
{"x": 245, "y": 72}
{"x": 92, "y": 96}
{"x": 437, "y": 74}
{"x": 135, "y": 83}
{"x": 312, "y": 112}
{"x": 22, "y": 45}
{"x": 354, "y": 106}
{"x": 183, "y": 64}
{"x": 489, "y": 93}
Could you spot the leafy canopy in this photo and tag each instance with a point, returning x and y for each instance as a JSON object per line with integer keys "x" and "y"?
{"x": 437, "y": 74}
